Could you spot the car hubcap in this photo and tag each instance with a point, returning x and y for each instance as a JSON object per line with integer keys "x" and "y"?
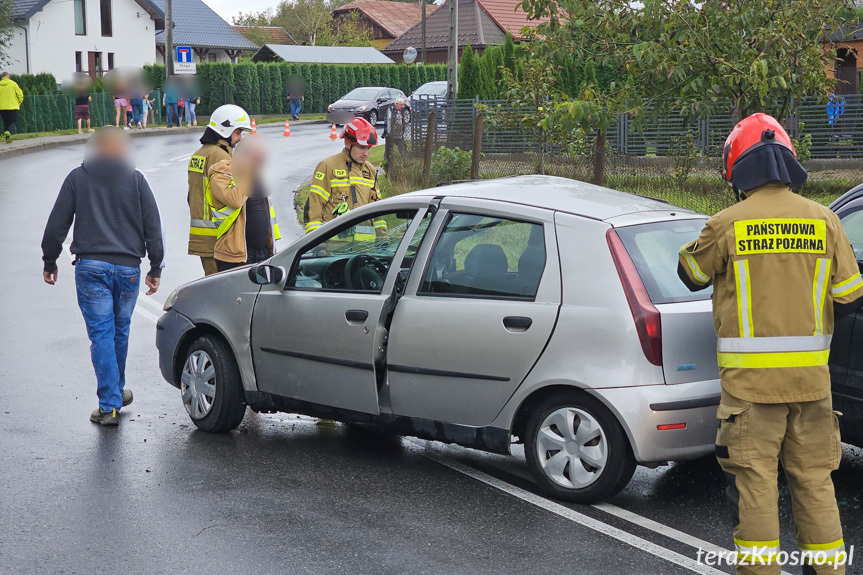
{"x": 198, "y": 384}
{"x": 572, "y": 448}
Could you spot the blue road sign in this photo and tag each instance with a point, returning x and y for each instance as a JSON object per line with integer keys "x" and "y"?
{"x": 184, "y": 53}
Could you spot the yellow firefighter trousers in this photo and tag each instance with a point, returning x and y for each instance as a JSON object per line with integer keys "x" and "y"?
{"x": 805, "y": 438}
{"x": 209, "y": 265}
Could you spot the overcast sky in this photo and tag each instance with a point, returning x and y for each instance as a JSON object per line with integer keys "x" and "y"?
{"x": 227, "y": 9}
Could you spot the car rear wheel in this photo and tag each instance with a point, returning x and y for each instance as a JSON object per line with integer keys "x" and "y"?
{"x": 576, "y": 449}
{"x": 211, "y": 387}
{"x": 373, "y": 117}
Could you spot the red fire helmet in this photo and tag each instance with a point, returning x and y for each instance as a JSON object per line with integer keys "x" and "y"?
{"x": 749, "y": 134}
{"x": 360, "y": 131}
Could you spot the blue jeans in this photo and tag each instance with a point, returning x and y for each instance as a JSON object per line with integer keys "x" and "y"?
{"x": 173, "y": 114}
{"x": 137, "y": 110}
{"x": 296, "y": 107}
{"x": 190, "y": 112}
{"x": 106, "y": 295}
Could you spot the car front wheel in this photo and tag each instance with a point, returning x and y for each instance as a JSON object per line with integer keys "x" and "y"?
{"x": 210, "y": 385}
{"x": 373, "y": 117}
{"x": 576, "y": 449}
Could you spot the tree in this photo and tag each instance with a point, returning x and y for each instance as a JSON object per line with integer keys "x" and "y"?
{"x": 349, "y": 30}
{"x": 307, "y": 22}
{"x": 6, "y": 33}
{"x": 469, "y": 75}
{"x": 693, "y": 58}
{"x": 509, "y": 53}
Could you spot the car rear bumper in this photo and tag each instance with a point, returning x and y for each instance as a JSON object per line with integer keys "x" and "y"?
{"x": 170, "y": 330}
{"x": 641, "y": 409}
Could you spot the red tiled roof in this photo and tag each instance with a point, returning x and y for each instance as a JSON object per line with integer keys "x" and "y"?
{"x": 277, "y": 35}
{"x": 509, "y": 16}
{"x": 394, "y": 17}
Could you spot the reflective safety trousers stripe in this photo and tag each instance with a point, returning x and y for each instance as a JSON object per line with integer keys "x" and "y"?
{"x": 756, "y": 551}
{"x": 274, "y": 225}
{"x": 824, "y": 553}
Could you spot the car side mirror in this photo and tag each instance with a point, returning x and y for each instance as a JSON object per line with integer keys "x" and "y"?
{"x": 264, "y": 275}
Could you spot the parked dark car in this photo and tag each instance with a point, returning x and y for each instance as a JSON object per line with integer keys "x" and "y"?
{"x": 846, "y": 352}
{"x": 369, "y": 103}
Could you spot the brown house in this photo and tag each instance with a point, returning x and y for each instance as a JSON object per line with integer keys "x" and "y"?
{"x": 481, "y": 23}
{"x": 848, "y": 66}
{"x": 271, "y": 34}
{"x": 384, "y": 19}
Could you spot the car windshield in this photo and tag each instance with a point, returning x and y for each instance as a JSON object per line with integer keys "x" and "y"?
{"x": 654, "y": 248}
{"x": 364, "y": 94}
{"x": 431, "y": 90}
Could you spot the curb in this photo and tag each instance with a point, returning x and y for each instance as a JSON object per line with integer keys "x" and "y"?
{"x": 72, "y": 139}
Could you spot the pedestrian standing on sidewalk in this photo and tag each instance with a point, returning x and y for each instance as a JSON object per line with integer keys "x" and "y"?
{"x": 227, "y": 124}
{"x": 191, "y": 117}
{"x": 181, "y": 110}
{"x": 296, "y": 97}
{"x": 247, "y": 231}
{"x": 116, "y": 224}
{"x": 146, "y": 104}
{"x": 11, "y": 97}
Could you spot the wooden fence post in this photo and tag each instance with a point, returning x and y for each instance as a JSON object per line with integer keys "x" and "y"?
{"x": 430, "y": 130}
{"x": 476, "y": 152}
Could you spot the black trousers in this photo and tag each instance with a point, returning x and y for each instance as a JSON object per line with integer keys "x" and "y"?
{"x": 253, "y": 256}
{"x": 10, "y": 120}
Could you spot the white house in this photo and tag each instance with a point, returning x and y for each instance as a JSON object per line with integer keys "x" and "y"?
{"x": 93, "y": 36}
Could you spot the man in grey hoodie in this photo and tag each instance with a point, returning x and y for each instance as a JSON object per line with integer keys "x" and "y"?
{"x": 116, "y": 223}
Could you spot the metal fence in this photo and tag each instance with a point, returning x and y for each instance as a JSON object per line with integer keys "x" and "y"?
{"x": 56, "y": 111}
{"x": 669, "y": 158}
{"x": 835, "y": 129}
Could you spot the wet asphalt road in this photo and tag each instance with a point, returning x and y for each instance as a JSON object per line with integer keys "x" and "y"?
{"x": 283, "y": 494}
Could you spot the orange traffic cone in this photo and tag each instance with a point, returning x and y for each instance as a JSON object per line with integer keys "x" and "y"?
{"x": 287, "y": 132}
{"x": 254, "y": 127}
{"x": 333, "y": 135}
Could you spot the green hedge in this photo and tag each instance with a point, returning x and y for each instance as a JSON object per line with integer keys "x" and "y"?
{"x": 261, "y": 87}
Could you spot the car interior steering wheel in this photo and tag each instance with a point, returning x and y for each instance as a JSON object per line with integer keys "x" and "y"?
{"x": 364, "y": 272}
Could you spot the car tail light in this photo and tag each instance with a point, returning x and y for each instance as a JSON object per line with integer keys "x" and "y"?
{"x": 646, "y": 316}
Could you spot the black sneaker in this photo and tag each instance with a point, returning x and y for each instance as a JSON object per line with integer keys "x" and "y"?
{"x": 105, "y": 417}
{"x": 127, "y": 397}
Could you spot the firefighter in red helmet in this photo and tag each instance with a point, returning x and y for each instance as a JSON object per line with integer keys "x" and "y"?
{"x": 781, "y": 269}
{"x": 346, "y": 181}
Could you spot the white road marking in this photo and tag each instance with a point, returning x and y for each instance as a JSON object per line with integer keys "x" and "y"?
{"x": 576, "y": 517}
{"x": 183, "y": 157}
{"x": 142, "y": 296}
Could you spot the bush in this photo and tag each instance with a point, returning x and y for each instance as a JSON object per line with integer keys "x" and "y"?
{"x": 450, "y": 165}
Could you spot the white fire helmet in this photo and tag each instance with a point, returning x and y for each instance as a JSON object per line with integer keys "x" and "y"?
{"x": 227, "y": 118}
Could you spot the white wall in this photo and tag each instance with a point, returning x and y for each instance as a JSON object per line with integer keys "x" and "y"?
{"x": 53, "y": 42}
{"x": 17, "y": 54}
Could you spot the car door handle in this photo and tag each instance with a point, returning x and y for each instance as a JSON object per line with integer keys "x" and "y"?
{"x": 356, "y": 316}
{"x": 517, "y": 323}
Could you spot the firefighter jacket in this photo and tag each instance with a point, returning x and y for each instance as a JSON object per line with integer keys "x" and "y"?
{"x": 202, "y": 231}
{"x": 777, "y": 263}
{"x": 338, "y": 185}
{"x": 227, "y": 198}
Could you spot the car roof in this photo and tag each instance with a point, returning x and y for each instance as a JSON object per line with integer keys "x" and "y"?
{"x": 554, "y": 193}
{"x": 854, "y": 193}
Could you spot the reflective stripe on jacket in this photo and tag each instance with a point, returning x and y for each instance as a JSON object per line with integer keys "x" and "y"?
{"x": 777, "y": 262}
{"x": 227, "y": 198}
{"x": 202, "y": 230}
{"x": 340, "y": 185}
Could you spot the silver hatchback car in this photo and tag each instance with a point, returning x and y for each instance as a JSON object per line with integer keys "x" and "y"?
{"x": 531, "y": 309}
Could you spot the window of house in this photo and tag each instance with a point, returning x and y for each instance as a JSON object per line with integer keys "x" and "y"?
{"x": 212, "y": 57}
{"x": 107, "y": 22}
{"x": 80, "y": 18}
{"x": 79, "y": 64}
{"x": 486, "y": 257}
{"x": 110, "y": 60}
